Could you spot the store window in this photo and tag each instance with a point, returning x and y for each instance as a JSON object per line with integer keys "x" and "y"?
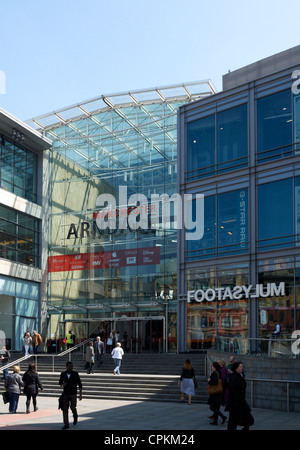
{"x": 274, "y": 127}
{"x": 275, "y": 215}
{"x": 19, "y": 237}
{"x": 225, "y": 320}
{"x": 276, "y": 309}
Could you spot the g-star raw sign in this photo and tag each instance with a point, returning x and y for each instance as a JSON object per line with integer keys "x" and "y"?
{"x": 236, "y": 293}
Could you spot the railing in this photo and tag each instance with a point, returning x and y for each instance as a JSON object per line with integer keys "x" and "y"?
{"x": 253, "y": 381}
{"x": 41, "y": 355}
{"x": 272, "y": 347}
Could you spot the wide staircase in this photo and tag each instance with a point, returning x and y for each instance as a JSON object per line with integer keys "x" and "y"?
{"x": 144, "y": 377}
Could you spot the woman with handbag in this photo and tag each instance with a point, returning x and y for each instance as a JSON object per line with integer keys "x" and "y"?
{"x": 188, "y": 381}
{"x": 215, "y": 390}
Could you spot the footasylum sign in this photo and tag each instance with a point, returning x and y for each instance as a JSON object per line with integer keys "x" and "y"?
{"x": 236, "y": 293}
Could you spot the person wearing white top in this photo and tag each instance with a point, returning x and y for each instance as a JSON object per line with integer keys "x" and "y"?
{"x": 117, "y": 355}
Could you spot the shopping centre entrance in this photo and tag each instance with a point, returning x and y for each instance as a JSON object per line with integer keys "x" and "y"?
{"x": 136, "y": 334}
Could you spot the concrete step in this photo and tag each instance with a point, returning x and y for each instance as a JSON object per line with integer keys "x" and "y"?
{"x": 159, "y": 364}
{"x": 152, "y": 377}
{"x": 126, "y": 387}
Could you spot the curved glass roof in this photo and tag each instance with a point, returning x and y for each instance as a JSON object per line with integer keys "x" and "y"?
{"x": 122, "y": 131}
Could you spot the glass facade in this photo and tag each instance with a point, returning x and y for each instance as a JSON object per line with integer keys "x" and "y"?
{"x": 19, "y": 237}
{"x": 240, "y": 159}
{"x": 112, "y": 258}
{"x": 18, "y": 169}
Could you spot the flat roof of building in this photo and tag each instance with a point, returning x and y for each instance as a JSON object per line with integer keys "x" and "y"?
{"x": 31, "y": 138}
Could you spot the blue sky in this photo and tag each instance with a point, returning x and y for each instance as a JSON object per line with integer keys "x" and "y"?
{"x": 56, "y": 53}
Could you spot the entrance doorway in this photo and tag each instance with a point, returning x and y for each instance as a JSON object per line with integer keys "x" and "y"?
{"x": 136, "y": 334}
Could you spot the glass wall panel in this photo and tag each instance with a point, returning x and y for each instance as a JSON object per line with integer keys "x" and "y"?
{"x": 274, "y": 127}
{"x": 232, "y": 126}
{"x": 18, "y": 243}
{"x": 275, "y": 215}
{"x": 201, "y": 148}
{"x": 18, "y": 170}
{"x": 233, "y": 222}
{"x": 206, "y": 246}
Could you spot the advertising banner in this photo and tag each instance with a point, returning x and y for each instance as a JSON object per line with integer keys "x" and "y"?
{"x": 104, "y": 260}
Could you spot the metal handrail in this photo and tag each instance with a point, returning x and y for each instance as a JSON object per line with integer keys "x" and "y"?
{"x": 267, "y": 380}
{"x": 41, "y": 355}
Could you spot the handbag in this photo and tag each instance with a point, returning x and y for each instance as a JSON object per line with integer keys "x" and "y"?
{"x": 195, "y": 383}
{"x": 215, "y": 388}
{"x": 5, "y": 396}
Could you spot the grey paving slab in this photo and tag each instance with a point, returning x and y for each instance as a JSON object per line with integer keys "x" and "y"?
{"x": 112, "y": 415}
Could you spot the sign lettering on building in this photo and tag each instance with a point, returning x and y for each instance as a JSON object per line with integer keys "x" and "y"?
{"x": 236, "y": 293}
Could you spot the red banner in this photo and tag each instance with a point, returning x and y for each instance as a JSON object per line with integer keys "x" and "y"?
{"x": 104, "y": 260}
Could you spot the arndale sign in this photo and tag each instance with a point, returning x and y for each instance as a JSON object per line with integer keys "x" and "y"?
{"x": 236, "y": 293}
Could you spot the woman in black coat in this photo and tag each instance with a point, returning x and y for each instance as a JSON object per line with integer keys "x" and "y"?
{"x": 215, "y": 400}
{"x": 32, "y": 383}
{"x": 239, "y": 410}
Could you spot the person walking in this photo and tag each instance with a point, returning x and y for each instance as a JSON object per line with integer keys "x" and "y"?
{"x": 69, "y": 380}
{"x": 277, "y": 330}
{"x": 36, "y": 341}
{"x": 187, "y": 381}
{"x": 215, "y": 399}
{"x": 27, "y": 343}
{"x": 32, "y": 383}
{"x": 5, "y": 355}
{"x": 117, "y": 355}
{"x": 13, "y": 384}
{"x": 90, "y": 357}
{"x": 98, "y": 351}
{"x": 70, "y": 340}
{"x": 231, "y": 361}
{"x": 239, "y": 410}
{"x": 225, "y": 378}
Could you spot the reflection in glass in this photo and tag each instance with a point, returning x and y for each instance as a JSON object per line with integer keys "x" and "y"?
{"x": 275, "y": 215}
{"x": 233, "y": 222}
{"x": 274, "y": 126}
{"x": 206, "y": 246}
{"x": 201, "y": 148}
{"x": 232, "y": 142}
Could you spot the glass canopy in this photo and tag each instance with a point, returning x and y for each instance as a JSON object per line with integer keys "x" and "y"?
{"x": 136, "y": 129}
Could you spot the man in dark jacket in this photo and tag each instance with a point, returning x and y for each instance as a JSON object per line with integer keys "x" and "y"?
{"x": 99, "y": 350}
{"x": 69, "y": 380}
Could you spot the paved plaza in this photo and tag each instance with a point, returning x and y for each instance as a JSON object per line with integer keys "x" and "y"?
{"x": 114, "y": 415}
